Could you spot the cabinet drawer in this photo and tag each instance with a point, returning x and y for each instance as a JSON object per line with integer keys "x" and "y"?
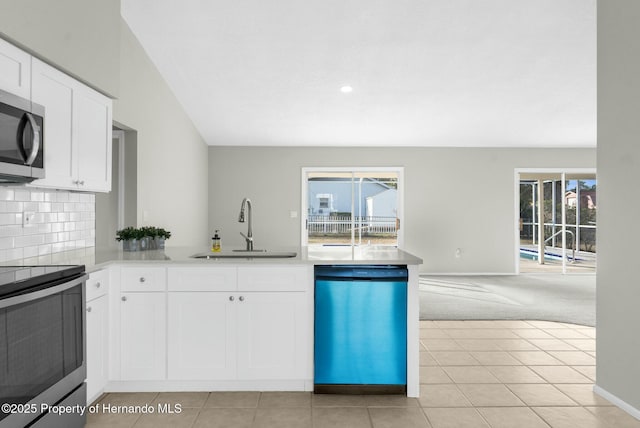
{"x": 143, "y": 279}
{"x": 97, "y": 284}
{"x": 272, "y": 278}
{"x": 202, "y": 279}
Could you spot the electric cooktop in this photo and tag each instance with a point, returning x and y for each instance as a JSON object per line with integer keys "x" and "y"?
{"x": 17, "y": 279}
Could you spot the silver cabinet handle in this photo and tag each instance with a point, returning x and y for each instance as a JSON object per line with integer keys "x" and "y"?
{"x": 124, "y": 298}
{"x": 231, "y": 298}
{"x": 242, "y": 298}
{"x": 97, "y": 285}
{"x": 89, "y": 309}
{"x": 142, "y": 279}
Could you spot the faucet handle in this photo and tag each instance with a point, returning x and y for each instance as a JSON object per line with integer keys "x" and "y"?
{"x": 246, "y": 237}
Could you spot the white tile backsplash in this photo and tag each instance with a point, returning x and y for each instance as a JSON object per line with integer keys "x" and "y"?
{"x": 63, "y": 221}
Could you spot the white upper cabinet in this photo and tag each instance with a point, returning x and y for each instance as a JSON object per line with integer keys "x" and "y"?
{"x": 77, "y": 131}
{"x": 54, "y": 90}
{"x": 15, "y": 70}
{"x": 93, "y": 139}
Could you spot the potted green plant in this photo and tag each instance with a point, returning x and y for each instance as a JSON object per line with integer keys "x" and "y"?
{"x": 129, "y": 237}
{"x": 143, "y": 237}
{"x": 160, "y": 236}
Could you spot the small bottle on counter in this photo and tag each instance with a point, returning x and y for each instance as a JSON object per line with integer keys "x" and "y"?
{"x": 216, "y": 244}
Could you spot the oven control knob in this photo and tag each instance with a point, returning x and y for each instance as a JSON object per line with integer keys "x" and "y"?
{"x": 97, "y": 285}
{"x": 124, "y": 298}
{"x": 142, "y": 279}
{"x": 89, "y": 309}
{"x": 231, "y": 298}
{"x": 242, "y": 298}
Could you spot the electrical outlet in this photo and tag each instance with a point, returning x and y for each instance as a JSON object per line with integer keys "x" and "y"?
{"x": 27, "y": 218}
{"x": 458, "y": 253}
{"x": 293, "y": 214}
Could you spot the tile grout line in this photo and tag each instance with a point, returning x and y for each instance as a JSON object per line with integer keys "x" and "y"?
{"x": 547, "y": 352}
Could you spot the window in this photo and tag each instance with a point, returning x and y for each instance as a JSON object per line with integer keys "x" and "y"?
{"x": 351, "y": 206}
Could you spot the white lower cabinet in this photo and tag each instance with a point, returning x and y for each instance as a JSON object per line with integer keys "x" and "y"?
{"x": 271, "y": 335}
{"x": 212, "y": 327}
{"x": 97, "y": 346}
{"x": 236, "y": 334}
{"x": 202, "y": 336}
{"x": 97, "y": 337}
{"x": 143, "y": 336}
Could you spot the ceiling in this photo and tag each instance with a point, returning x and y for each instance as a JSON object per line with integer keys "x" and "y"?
{"x": 462, "y": 73}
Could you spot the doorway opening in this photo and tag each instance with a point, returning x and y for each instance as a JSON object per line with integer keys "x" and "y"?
{"x": 352, "y": 206}
{"x": 118, "y": 209}
{"x": 557, "y": 213}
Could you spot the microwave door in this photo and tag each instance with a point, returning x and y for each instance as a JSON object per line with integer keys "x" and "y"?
{"x": 21, "y": 157}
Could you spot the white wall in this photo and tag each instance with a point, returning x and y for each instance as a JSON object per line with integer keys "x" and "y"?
{"x": 172, "y": 157}
{"x": 454, "y": 198}
{"x": 90, "y": 40}
{"x": 79, "y": 37}
{"x": 618, "y": 291}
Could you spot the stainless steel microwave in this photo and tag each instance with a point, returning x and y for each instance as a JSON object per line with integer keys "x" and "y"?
{"x": 21, "y": 139}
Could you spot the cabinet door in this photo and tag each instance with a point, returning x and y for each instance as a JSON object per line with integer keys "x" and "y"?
{"x": 202, "y": 336}
{"x": 143, "y": 336}
{"x": 54, "y": 90}
{"x": 15, "y": 70}
{"x": 93, "y": 138}
{"x": 97, "y": 347}
{"x": 271, "y": 336}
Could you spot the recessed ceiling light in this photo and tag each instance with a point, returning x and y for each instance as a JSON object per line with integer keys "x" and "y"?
{"x": 346, "y": 89}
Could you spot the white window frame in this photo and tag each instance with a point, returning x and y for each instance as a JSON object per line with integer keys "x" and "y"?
{"x": 399, "y": 170}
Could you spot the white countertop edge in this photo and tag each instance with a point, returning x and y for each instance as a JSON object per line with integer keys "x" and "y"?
{"x": 97, "y": 258}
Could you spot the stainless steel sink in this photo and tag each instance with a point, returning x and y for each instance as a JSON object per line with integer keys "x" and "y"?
{"x": 246, "y": 254}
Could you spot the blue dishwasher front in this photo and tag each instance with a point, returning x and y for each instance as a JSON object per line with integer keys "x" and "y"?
{"x": 360, "y": 329}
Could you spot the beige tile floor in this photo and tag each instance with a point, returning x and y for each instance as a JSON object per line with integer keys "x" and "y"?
{"x": 498, "y": 374}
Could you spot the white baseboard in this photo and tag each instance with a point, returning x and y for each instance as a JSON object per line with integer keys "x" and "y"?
{"x": 209, "y": 385}
{"x": 468, "y": 274}
{"x": 618, "y": 402}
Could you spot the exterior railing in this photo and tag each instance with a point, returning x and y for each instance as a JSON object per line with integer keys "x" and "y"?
{"x": 338, "y": 224}
{"x": 584, "y": 234}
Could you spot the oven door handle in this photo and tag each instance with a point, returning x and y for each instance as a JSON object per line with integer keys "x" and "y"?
{"x": 28, "y": 297}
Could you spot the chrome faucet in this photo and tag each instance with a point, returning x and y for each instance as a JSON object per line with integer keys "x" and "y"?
{"x": 249, "y": 236}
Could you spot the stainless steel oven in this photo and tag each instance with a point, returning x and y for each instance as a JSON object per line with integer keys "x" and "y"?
{"x": 21, "y": 139}
{"x": 42, "y": 345}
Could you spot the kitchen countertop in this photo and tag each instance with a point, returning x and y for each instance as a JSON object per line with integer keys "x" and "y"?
{"x": 97, "y": 258}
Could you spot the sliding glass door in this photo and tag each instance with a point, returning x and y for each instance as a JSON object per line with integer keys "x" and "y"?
{"x": 351, "y": 206}
{"x": 557, "y": 219}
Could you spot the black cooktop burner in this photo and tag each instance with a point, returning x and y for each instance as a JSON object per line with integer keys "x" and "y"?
{"x": 18, "y": 279}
